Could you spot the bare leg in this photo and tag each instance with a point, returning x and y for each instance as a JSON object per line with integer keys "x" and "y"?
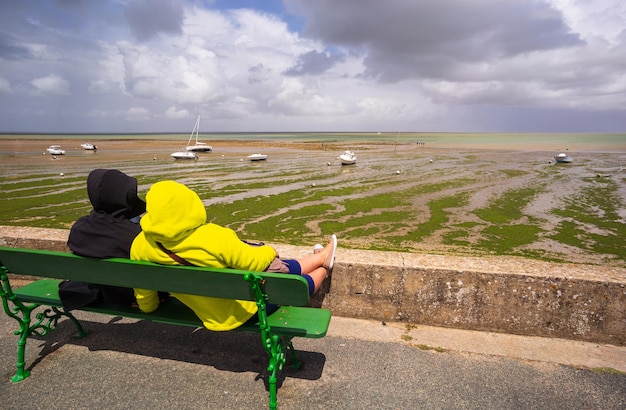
{"x": 318, "y": 275}
{"x": 313, "y": 265}
{"x": 314, "y": 261}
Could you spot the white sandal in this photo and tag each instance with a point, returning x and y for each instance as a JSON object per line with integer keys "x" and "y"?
{"x": 330, "y": 259}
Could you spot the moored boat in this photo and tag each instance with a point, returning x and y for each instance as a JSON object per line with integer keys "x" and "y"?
{"x": 184, "y": 155}
{"x": 563, "y": 157}
{"x": 198, "y": 146}
{"x": 55, "y": 150}
{"x": 257, "y": 157}
{"x": 88, "y": 146}
{"x": 348, "y": 158}
{"x": 189, "y": 152}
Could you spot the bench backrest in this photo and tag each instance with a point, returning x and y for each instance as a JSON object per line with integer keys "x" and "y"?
{"x": 283, "y": 289}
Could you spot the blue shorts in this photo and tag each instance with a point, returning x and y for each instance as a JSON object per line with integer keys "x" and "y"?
{"x": 293, "y": 267}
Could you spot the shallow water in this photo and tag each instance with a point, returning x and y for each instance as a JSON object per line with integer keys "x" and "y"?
{"x": 581, "y": 142}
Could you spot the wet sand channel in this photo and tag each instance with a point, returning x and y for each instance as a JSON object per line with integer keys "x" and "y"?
{"x": 405, "y": 197}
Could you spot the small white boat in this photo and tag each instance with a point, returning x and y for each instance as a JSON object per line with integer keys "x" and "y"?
{"x": 184, "y": 155}
{"x": 198, "y": 146}
{"x": 347, "y": 158}
{"x": 257, "y": 157}
{"x": 55, "y": 150}
{"x": 563, "y": 157}
{"x": 89, "y": 146}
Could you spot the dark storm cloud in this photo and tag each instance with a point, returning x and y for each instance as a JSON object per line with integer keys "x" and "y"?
{"x": 415, "y": 39}
{"x": 313, "y": 63}
{"x": 148, "y": 18}
{"x": 62, "y": 24}
{"x": 10, "y": 48}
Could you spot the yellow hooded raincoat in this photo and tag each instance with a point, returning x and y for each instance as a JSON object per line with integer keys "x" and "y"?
{"x": 176, "y": 217}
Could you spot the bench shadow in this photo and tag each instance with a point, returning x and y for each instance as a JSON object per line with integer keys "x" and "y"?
{"x": 228, "y": 351}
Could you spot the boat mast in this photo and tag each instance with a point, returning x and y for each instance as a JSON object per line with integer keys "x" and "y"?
{"x": 197, "y": 128}
{"x": 396, "y": 146}
{"x": 194, "y": 132}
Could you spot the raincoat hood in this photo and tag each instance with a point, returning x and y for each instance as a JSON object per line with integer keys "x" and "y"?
{"x": 113, "y": 192}
{"x": 173, "y": 212}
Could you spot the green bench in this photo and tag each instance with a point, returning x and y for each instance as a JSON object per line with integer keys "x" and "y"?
{"x": 293, "y": 319}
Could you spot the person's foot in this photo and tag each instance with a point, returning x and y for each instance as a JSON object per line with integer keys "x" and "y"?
{"x": 330, "y": 256}
{"x": 317, "y": 248}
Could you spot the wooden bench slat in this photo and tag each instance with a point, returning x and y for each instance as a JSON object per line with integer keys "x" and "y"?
{"x": 291, "y": 321}
{"x": 225, "y": 283}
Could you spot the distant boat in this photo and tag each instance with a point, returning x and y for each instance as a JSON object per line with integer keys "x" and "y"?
{"x": 198, "y": 146}
{"x": 55, "y": 150}
{"x": 563, "y": 157}
{"x": 347, "y": 158}
{"x": 89, "y": 146}
{"x": 184, "y": 155}
{"x": 190, "y": 150}
{"x": 257, "y": 157}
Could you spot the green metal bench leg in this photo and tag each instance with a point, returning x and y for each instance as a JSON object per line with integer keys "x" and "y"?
{"x": 273, "y": 396}
{"x": 273, "y": 344}
{"x": 45, "y": 323}
{"x": 278, "y": 346}
{"x": 295, "y": 362}
{"x": 21, "y": 312}
{"x": 277, "y": 361}
{"x": 21, "y": 372}
{"x": 81, "y": 331}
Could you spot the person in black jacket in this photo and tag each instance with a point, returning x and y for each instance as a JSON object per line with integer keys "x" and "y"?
{"x": 107, "y": 232}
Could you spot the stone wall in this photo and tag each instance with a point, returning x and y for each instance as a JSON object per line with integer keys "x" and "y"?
{"x": 505, "y": 295}
{"x": 549, "y": 306}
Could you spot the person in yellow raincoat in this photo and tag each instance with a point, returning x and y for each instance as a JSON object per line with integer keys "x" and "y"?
{"x": 175, "y": 223}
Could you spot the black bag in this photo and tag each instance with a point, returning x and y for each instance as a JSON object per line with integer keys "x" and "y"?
{"x": 77, "y": 294}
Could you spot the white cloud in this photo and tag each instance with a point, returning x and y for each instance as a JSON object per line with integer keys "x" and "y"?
{"x": 5, "y": 86}
{"x": 296, "y": 98}
{"x": 108, "y": 75}
{"x": 138, "y": 113}
{"x": 599, "y": 18}
{"x": 233, "y": 58}
{"x": 51, "y": 85}
{"x": 172, "y": 112}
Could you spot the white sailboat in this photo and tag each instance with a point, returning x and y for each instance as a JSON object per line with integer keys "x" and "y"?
{"x": 198, "y": 146}
{"x": 189, "y": 152}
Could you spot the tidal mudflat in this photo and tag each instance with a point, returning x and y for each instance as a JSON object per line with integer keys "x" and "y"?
{"x": 400, "y": 196}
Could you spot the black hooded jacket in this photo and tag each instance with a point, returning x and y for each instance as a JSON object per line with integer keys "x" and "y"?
{"x": 107, "y": 232}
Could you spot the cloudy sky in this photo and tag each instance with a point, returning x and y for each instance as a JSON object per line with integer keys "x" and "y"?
{"x": 125, "y": 66}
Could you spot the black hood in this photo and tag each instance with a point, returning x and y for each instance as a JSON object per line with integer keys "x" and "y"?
{"x": 113, "y": 192}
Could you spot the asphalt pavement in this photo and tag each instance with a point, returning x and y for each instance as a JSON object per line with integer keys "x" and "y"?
{"x": 124, "y": 364}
